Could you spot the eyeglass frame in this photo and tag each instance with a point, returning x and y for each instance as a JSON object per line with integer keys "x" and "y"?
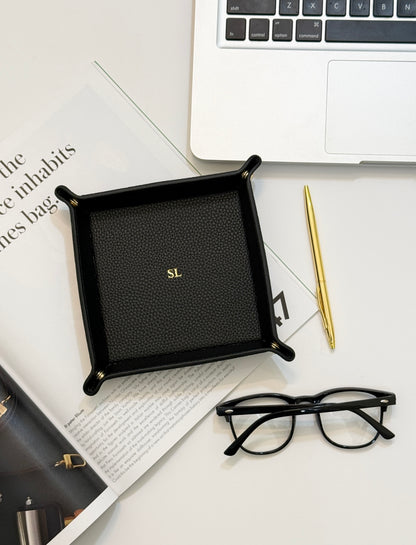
{"x": 297, "y": 405}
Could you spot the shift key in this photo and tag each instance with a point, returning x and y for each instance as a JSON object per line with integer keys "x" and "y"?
{"x": 251, "y": 7}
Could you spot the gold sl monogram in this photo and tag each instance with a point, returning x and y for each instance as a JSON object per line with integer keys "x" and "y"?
{"x": 173, "y": 273}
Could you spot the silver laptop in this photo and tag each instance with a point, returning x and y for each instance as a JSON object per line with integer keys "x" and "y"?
{"x": 321, "y": 81}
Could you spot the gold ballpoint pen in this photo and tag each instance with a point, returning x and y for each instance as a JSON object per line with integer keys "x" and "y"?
{"x": 321, "y": 291}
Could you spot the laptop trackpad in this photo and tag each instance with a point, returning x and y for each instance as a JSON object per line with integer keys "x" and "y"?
{"x": 371, "y": 108}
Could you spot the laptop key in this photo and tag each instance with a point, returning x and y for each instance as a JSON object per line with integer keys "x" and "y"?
{"x": 360, "y": 8}
{"x": 259, "y": 30}
{"x": 383, "y": 8}
{"x": 337, "y": 8}
{"x": 288, "y": 7}
{"x": 406, "y": 8}
{"x": 308, "y": 30}
{"x": 312, "y": 7}
{"x": 235, "y": 29}
{"x": 388, "y": 32}
{"x": 282, "y": 30}
{"x": 251, "y": 7}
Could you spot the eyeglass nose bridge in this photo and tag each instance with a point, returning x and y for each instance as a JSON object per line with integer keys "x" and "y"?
{"x": 304, "y": 399}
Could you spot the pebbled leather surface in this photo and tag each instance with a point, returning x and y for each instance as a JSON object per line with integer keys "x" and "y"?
{"x": 145, "y": 311}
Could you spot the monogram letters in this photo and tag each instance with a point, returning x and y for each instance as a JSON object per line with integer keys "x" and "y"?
{"x": 173, "y": 273}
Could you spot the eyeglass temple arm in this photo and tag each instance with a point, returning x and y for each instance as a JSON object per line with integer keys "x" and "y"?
{"x": 382, "y": 430}
{"x": 238, "y": 442}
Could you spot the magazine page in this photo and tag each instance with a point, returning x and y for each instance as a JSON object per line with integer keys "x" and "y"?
{"x": 94, "y": 140}
{"x": 49, "y": 491}
{"x": 97, "y": 139}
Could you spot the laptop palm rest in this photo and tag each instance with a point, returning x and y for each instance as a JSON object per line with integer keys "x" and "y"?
{"x": 370, "y": 108}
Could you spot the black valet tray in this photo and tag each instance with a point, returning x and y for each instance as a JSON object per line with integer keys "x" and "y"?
{"x": 172, "y": 274}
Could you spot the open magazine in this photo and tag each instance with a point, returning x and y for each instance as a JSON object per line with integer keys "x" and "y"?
{"x": 66, "y": 456}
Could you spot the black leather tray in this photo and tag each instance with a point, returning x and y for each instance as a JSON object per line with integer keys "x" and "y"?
{"x": 172, "y": 274}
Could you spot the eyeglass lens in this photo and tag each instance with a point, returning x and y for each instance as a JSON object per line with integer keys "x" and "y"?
{"x": 269, "y": 436}
{"x": 346, "y": 428}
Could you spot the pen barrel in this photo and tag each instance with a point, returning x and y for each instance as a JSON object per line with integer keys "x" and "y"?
{"x": 314, "y": 239}
{"x": 321, "y": 291}
{"x": 323, "y": 303}
{"x": 317, "y": 259}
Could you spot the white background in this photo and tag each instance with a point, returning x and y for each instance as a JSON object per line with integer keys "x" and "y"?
{"x": 311, "y": 492}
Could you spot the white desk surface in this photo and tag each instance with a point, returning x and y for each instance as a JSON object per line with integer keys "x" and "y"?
{"x": 311, "y": 492}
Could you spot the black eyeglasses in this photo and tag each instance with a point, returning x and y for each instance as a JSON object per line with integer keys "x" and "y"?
{"x": 348, "y": 418}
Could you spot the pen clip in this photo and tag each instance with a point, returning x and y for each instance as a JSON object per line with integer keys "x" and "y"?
{"x": 326, "y": 316}
{"x": 321, "y": 305}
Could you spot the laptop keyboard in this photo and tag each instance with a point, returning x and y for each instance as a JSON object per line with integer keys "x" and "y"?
{"x": 280, "y": 23}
